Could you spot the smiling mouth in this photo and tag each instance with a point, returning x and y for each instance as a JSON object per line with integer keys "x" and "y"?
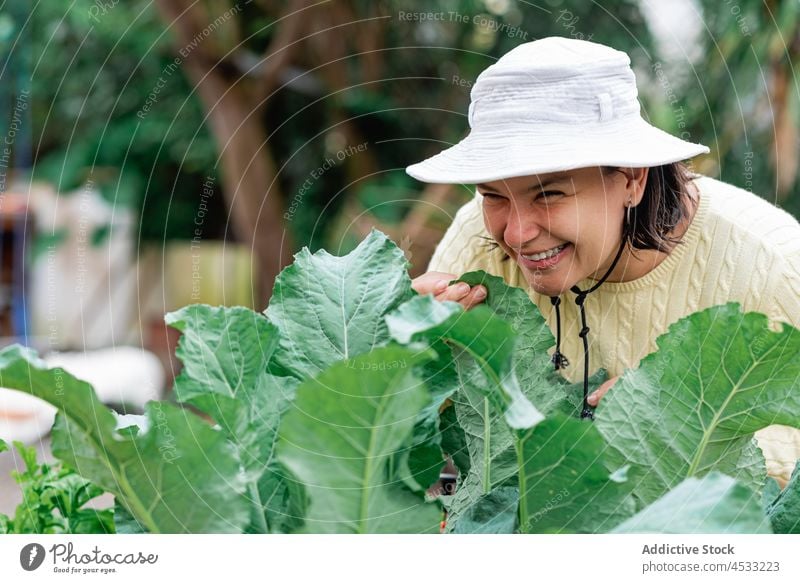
{"x": 546, "y": 254}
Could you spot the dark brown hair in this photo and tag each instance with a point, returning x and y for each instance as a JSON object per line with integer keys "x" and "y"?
{"x": 662, "y": 208}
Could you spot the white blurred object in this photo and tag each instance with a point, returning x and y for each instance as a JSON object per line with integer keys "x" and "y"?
{"x": 119, "y": 375}
{"x": 24, "y": 418}
{"x": 125, "y": 374}
{"x": 83, "y": 291}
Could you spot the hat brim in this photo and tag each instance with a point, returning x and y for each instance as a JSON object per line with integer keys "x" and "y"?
{"x": 484, "y": 156}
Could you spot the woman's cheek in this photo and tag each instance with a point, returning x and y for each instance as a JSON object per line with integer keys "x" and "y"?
{"x": 494, "y": 225}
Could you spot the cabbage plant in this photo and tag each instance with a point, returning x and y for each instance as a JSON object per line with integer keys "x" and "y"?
{"x": 332, "y": 412}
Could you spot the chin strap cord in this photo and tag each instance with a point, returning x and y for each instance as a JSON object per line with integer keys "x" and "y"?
{"x": 559, "y": 360}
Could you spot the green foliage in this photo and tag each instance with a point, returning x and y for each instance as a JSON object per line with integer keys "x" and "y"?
{"x": 718, "y": 377}
{"x": 93, "y": 77}
{"x": 722, "y": 337}
{"x": 715, "y": 503}
{"x": 689, "y": 409}
{"x": 332, "y": 308}
{"x": 362, "y": 411}
{"x": 229, "y": 477}
{"x": 225, "y": 353}
{"x": 784, "y": 508}
{"x": 564, "y": 482}
{"x": 53, "y": 500}
{"x": 171, "y": 470}
{"x": 321, "y": 417}
{"x": 492, "y": 513}
{"x": 96, "y": 71}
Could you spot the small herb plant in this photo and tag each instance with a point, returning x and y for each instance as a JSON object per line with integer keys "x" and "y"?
{"x": 53, "y": 499}
{"x": 328, "y": 414}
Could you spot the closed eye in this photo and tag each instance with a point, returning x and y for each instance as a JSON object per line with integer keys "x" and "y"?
{"x": 491, "y": 196}
{"x": 549, "y": 194}
{"x": 545, "y": 195}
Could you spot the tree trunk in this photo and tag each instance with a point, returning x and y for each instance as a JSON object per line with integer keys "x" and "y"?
{"x": 250, "y": 184}
{"x": 249, "y": 181}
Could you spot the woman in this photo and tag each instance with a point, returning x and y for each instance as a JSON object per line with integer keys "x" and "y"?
{"x": 589, "y": 208}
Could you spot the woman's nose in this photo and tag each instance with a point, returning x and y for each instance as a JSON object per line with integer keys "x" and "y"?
{"x": 522, "y": 226}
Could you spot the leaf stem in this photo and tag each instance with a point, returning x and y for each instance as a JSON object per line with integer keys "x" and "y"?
{"x": 261, "y": 521}
{"x": 487, "y": 440}
{"x": 708, "y": 431}
{"x": 523, "y": 499}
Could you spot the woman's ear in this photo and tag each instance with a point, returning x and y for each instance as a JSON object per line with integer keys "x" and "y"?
{"x": 636, "y": 180}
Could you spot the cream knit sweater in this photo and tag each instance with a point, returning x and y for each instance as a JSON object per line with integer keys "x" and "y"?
{"x": 738, "y": 248}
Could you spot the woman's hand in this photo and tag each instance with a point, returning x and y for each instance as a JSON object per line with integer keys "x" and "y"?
{"x": 435, "y": 283}
{"x": 595, "y": 397}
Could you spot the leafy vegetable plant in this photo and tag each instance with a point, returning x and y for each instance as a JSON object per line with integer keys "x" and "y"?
{"x": 53, "y": 499}
{"x": 330, "y": 413}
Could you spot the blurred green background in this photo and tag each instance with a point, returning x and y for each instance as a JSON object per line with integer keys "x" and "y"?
{"x": 301, "y": 116}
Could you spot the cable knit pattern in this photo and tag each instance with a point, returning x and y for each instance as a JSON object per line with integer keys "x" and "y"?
{"x": 739, "y": 247}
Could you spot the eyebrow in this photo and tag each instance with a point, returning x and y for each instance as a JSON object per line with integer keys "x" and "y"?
{"x": 533, "y": 187}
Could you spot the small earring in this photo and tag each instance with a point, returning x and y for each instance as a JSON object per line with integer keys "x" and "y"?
{"x": 628, "y": 226}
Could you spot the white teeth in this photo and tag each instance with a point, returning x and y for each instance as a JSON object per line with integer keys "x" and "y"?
{"x": 546, "y": 254}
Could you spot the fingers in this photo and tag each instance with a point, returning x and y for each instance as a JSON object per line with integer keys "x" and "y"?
{"x": 594, "y": 398}
{"x": 432, "y": 282}
{"x": 463, "y": 294}
{"x": 438, "y": 284}
{"x": 476, "y": 295}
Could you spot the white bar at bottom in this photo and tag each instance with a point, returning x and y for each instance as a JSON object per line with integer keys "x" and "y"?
{"x": 389, "y": 558}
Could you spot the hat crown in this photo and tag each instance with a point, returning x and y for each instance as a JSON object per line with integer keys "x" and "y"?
{"x": 553, "y": 105}
{"x": 554, "y": 81}
{"x": 558, "y": 52}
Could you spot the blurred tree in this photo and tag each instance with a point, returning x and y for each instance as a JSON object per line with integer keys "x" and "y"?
{"x": 310, "y": 111}
{"x": 288, "y": 87}
{"x": 741, "y": 97}
{"x": 92, "y": 75}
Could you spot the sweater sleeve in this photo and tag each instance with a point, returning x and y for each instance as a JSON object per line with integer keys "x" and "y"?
{"x": 462, "y": 249}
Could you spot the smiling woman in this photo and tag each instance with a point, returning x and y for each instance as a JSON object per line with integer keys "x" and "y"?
{"x": 580, "y": 212}
{"x": 590, "y": 209}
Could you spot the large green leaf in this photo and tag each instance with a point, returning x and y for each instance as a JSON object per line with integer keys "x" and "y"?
{"x": 564, "y": 485}
{"x": 174, "y": 474}
{"x": 454, "y": 441}
{"x": 477, "y": 333}
{"x": 332, "y": 308}
{"x": 492, "y": 513}
{"x": 693, "y": 406}
{"x": 225, "y": 354}
{"x": 489, "y": 399}
{"x": 124, "y": 523}
{"x": 512, "y": 348}
{"x": 419, "y": 465}
{"x": 338, "y": 438}
{"x": 493, "y": 459}
{"x": 784, "y": 509}
{"x": 713, "y": 504}
{"x": 543, "y": 386}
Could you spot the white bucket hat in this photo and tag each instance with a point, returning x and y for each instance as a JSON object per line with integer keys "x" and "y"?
{"x": 551, "y": 105}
